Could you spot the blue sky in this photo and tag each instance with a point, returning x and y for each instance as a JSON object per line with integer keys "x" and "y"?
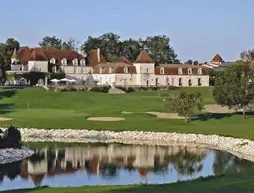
{"x": 198, "y": 29}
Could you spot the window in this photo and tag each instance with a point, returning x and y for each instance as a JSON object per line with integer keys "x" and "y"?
{"x": 180, "y": 82}
{"x": 157, "y": 81}
{"x": 180, "y": 71}
{"x": 110, "y": 70}
{"x": 81, "y": 70}
{"x": 74, "y": 70}
{"x": 189, "y": 82}
{"x": 63, "y": 68}
{"x": 126, "y": 70}
{"x": 147, "y": 70}
{"x": 82, "y": 62}
{"x": 189, "y": 71}
{"x": 64, "y": 61}
{"x": 75, "y": 62}
{"x": 161, "y": 70}
{"x": 53, "y": 61}
{"x": 199, "y": 71}
{"x": 101, "y": 70}
{"x": 199, "y": 82}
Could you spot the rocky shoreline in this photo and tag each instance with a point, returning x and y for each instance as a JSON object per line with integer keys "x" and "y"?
{"x": 11, "y": 155}
{"x": 241, "y": 147}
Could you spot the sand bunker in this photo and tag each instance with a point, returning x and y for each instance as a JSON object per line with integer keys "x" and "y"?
{"x": 159, "y": 115}
{"x": 165, "y": 115}
{"x": 5, "y": 119}
{"x": 105, "y": 119}
{"x": 218, "y": 109}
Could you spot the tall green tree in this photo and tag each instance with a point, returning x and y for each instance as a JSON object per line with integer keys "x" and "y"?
{"x": 160, "y": 50}
{"x": 51, "y": 42}
{"x": 185, "y": 104}
{"x": 247, "y": 55}
{"x": 195, "y": 62}
{"x": 130, "y": 49}
{"x": 6, "y": 50}
{"x": 112, "y": 47}
{"x": 110, "y": 43}
{"x": 71, "y": 44}
{"x": 234, "y": 87}
{"x": 189, "y": 62}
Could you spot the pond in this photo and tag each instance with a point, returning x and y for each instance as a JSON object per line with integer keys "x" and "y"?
{"x": 57, "y": 164}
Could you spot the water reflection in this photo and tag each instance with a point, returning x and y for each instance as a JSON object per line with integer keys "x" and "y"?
{"x": 116, "y": 164}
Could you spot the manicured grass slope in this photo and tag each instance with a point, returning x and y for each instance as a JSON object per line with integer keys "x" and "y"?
{"x": 69, "y": 109}
{"x": 235, "y": 183}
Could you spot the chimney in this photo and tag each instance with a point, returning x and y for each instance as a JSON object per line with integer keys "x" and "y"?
{"x": 98, "y": 55}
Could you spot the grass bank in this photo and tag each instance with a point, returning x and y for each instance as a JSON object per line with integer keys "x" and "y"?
{"x": 35, "y": 107}
{"x": 234, "y": 183}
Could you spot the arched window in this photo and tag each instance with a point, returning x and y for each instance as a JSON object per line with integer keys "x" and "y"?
{"x": 189, "y": 71}
{"x": 82, "y": 62}
{"x": 161, "y": 70}
{"x": 180, "y": 71}
{"x": 126, "y": 70}
{"x": 75, "y": 62}
{"x": 52, "y": 61}
{"x": 64, "y": 61}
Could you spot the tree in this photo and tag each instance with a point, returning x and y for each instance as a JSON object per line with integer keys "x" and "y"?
{"x": 160, "y": 50}
{"x": 247, "y": 55}
{"x": 6, "y": 50}
{"x": 196, "y": 62}
{"x": 130, "y": 49}
{"x": 110, "y": 46}
{"x": 234, "y": 87}
{"x": 185, "y": 104}
{"x": 51, "y": 42}
{"x": 71, "y": 44}
{"x": 189, "y": 62}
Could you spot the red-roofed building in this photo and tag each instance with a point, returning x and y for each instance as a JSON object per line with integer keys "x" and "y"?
{"x": 122, "y": 72}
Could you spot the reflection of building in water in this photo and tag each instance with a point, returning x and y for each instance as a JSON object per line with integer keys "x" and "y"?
{"x": 55, "y": 162}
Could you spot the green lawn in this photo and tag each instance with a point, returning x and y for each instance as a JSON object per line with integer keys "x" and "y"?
{"x": 69, "y": 109}
{"x": 235, "y": 183}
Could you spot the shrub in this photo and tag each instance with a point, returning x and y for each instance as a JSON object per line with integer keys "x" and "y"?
{"x": 104, "y": 89}
{"x": 11, "y": 138}
{"x": 126, "y": 89}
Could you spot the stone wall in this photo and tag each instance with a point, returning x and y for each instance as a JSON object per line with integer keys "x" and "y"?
{"x": 240, "y": 147}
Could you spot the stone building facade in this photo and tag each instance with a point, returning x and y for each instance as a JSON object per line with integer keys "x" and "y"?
{"x": 122, "y": 72}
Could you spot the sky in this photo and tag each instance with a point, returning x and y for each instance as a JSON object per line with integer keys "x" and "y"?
{"x": 198, "y": 29}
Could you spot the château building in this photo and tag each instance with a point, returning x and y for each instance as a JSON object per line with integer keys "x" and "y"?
{"x": 142, "y": 72}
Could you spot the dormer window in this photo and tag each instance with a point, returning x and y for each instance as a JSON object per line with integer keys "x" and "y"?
{"x": 126, "y": 70}
{"x": 110, "y": 70}
{"x": 64, "y": 61}
{"x": 53, "y": 61}
{"x": 161, "y": 70}
{"x": 200, "y": 71}
{"x": 82, "y": 62}
{"x": 75, "y": 62}
{"x": 180, "y": 71}
{"x": 189, "y": 71}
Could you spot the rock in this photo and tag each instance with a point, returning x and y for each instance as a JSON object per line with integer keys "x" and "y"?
{"x": 11, "y": 155}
